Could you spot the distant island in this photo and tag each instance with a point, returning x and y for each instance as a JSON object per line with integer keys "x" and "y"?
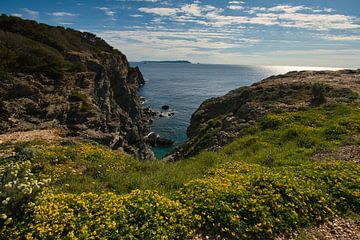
{"x": 176, "y": 61}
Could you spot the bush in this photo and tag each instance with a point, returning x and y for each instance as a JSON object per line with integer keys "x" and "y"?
{"x": 334, "y": 132}
{"x": 80, "y": 97}
{"x": 41, "y": 59}
{"x": 250, "y": 201}
{"x": 318, "y": 91}
{"x": 18, "y": 189}
{"x": 138, "y": 215}
{"x": 262, "y": 184}
{"x": 78, "y": 67}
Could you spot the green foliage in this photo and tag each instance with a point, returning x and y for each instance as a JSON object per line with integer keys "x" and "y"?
{"x": 138, "y": 215}
{"x": 262, "y": 184}
{"x": 318, "y": 91}
{"x": 253, "y": 201}
{"x": 7, "y": 56}
{"x": 41, "y": 59}
{"x": 18, "y": 189}
{"x": 343, "y": 93}
{"x": 334, "y": 132}
{"x": 29, "y": 47}
{"x": 78, "y": 67}
{"x": 80, "y": 97}
{"x": 57, "y": 38}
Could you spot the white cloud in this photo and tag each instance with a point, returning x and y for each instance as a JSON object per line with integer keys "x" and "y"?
{"x": 107, "y": 11}
{"x": 317, "y": 21}
{"x": 287, "y": 8}
{"x": 136, "y": 15}
{"x": 280, "y": 15}
{"x": 224, "y": 47}
{"x": 159, "y": 11}
{"x": 236, "y": 2}
{"x": 170, "y": 39}
{"x": 62, "y": 14}
{"x": 153, "y": 1}
{"x": 16, "y": 14}
{"x": 32, "y": 13}
{"x": 343, "y": 38}
{"x": 192, "y": 10}
{"x": 317, "y": 52}
{"x": 235, "y": 7}
{"x": 66, "y": 23}
{"x": 198, "y": 45}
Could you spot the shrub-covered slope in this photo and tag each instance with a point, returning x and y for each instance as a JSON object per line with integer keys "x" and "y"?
{"x": 52, "y": 77}
{"x": 287, "y": 149}
{"x": 265, "y": 183}
{"x": 218, "y": 121}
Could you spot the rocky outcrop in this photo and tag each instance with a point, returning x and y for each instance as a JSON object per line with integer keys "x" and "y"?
{"x": 219, "y": 120}
{"x": 156, "y": 140}
{"x": 94, "y": 96}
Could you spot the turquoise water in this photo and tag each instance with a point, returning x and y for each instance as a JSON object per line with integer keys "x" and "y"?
{"x": 185, "y": 86}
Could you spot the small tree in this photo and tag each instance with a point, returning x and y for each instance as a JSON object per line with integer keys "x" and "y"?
{"x": 318, "y": 91}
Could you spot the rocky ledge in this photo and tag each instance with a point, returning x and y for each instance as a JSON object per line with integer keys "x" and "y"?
{"x": 219, "y": 120}
{"x": 52, "y": 77}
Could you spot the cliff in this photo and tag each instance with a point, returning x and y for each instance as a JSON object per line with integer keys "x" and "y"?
{"x": 218, "y": 121}
{"x": 52, "y": 77}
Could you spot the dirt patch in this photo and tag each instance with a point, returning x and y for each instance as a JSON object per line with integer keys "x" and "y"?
{"x": 343, "y": 153}
{"x": 339, "y": 229}
{"x": 45, "y": 135}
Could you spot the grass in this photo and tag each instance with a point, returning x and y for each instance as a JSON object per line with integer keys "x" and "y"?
{"x": 287, "y": 139}
{"x": 80, "y": 97}
{"x": 262, "y": 184}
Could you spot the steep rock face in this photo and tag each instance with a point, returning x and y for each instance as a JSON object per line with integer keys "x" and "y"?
{"x": 219, "y": 120}
{"x": 90, "y": 92}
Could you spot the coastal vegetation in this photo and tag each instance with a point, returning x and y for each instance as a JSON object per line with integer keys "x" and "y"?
{"x": 262, "y": 184}
{"x": 262, "y": 161}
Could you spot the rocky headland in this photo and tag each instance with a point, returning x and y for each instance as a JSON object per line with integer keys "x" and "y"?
{"x": 52, "y": 77}
{"x": 220, "y": 120}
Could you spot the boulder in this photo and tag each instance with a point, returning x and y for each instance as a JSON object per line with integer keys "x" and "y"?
{"x": 154, "y": 139}
{"x": 165, "y": 107}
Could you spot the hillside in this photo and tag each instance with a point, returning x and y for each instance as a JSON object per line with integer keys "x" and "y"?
{"x": 52, "y": 77}
{"x": 218, "y": 121}
{"x": 280, "y": 179}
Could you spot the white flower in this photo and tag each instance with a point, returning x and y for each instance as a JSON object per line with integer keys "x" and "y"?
{"x": 3, "y": 216}
{"x": 6, "y": 201}
{"x": 8, "y": 221}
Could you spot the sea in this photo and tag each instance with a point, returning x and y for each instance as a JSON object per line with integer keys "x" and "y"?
{"x": 183, "y": 87}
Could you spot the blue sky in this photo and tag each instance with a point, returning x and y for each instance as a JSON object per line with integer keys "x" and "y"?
{"x": 250, "y": 32}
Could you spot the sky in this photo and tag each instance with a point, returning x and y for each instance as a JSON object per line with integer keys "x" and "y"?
{"x": 324, "y": 33}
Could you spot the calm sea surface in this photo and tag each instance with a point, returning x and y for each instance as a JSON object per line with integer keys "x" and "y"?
{"x": 185, "y": 86}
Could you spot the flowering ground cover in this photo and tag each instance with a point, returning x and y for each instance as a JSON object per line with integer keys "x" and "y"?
{"x": 265, "y": 183}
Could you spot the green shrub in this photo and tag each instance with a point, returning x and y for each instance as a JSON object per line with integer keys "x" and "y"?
{"x": 138, "y": 215}
{"x": 250, "y": 201}
{"x": 18, "y": 189}
{"x": 80, "y": 97}
{"x": 40, "y": 59}
{"x": 334, "y": 132}
{"x": 262, "y": 184}
{"x": 78, "y": 67}
{"x": 318, "y": 91}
